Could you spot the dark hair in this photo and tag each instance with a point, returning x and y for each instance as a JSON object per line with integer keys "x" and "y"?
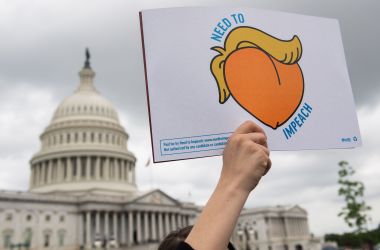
{"x": 172, "y": 240}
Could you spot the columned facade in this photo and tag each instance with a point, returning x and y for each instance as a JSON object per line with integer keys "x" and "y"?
{"x": 280, "y": 227}
{"x": 128, "y": 228}
{"x": 83, "y": 192}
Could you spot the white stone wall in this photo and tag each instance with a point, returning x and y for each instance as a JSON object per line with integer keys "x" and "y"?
{"x": 40, "y": 219}
{"x": 273, "y": 228}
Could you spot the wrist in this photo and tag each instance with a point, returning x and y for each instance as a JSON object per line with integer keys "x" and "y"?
{"x": 232, "y": 188}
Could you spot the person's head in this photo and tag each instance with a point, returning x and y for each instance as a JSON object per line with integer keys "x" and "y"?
{"x": 172, "y": 240}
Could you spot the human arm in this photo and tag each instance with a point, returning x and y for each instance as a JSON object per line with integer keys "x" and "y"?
{"x": 245, "y": 161}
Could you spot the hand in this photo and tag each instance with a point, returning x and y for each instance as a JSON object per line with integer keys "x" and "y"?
{"x": 245, "y": 158}
{"x": 245, "y": 161}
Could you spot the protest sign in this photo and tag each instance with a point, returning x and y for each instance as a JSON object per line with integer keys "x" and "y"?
{"x": 208, "y": 69}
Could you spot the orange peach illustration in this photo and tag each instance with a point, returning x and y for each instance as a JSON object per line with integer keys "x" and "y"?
{"x": 261, "y": 73}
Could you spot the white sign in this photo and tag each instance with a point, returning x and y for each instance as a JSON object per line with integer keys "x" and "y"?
{"x": 209, "y": 69}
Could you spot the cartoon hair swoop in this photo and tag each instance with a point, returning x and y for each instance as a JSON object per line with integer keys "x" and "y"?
{"x": 284, "y": 51}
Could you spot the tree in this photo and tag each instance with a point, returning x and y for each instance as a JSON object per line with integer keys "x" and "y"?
{"x": 355, "y": 210}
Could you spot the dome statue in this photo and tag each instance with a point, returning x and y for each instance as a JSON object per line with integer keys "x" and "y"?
{"x": 84, "y": 148}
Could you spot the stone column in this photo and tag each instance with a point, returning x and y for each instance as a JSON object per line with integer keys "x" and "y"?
{"x": 130, "y": 228}
{"x": 106, "y": 169}
{"x": 179, "y": 221}
{"x": 35, "y": 174}
{"x": 146, "y": 227}
{"x": 133, "y": 174}
{"x": 123, "y": 220}
{"x": 129, "y": 172}
{"x": 122, "y": 169}
{"x": 116, "y": 169}
{"x": 32, "y": 174}
{"x": 41, "y": 173}
{"x": 167, "y": 224}
{"x": 59, "y": 170}
{"x": 88, "y": 167}
{"x": 286, "y": 227}
{"x": 88, "y": 229}
{"x": 69, "y": 169}
{"x": 153, "y": 225}
{"x": 173, "y": 221}
{"x": 138, "y": 225}
{"x": 115, "y": 233}
{"x": 184, "y": 220}
{"x": 126, "y": 170}
{"x": 97, "y": 223}
{"x": 160, "y": 226}
{"x": 49, "y": 171}
{"x": 44, "y": 172}
{"x": 79, "y": 168}
{"x": 97, "y": 168}
{"x": 56, "y": 171}
{"x": 80, "y": 229}
{"x": 106, "y": 225}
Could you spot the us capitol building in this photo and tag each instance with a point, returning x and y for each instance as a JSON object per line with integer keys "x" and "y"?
{"x": 83, "y": 192}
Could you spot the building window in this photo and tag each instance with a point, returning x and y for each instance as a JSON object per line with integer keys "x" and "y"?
{"x": 28, "y": 217}
{"x": 8, "y": 217}
{"x": 7, "y": 240}
{"x": 46, "y": 240}
{"x": 27, "y": 236}
{"x": 269, "y": 247}
{"x": 256, "y": 235}
{"x": 62, "y": 218}
{"x": 47, "y": 218}
{"x": 61, "y": 238}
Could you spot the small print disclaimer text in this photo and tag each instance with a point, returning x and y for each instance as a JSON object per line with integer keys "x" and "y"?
{"x": 194, "y": 144}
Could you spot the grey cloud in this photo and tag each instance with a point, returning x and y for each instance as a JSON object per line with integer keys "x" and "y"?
{"x": 44, "y": 44}
{"x": 44, "y": 48}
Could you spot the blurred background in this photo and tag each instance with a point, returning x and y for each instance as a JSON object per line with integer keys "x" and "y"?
{"x": 42, "y": 49}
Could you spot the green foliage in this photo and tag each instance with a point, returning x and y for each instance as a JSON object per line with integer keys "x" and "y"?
{"x": 355, "y": 210}
{"x": 355, "y": 240}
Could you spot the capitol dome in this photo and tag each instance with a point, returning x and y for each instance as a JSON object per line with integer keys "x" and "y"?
{"x": 84, "y": 148}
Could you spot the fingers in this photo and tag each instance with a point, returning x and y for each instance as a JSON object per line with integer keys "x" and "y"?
{"x": 249, "y": 127}
{"x": 269, "y": 165}
{"x": 258, "y": 138}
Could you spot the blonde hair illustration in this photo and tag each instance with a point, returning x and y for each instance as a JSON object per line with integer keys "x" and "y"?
{"x": 284, "y": 51}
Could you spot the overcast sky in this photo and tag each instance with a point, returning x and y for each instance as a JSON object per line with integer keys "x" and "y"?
{"x": 42, "y": 49}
